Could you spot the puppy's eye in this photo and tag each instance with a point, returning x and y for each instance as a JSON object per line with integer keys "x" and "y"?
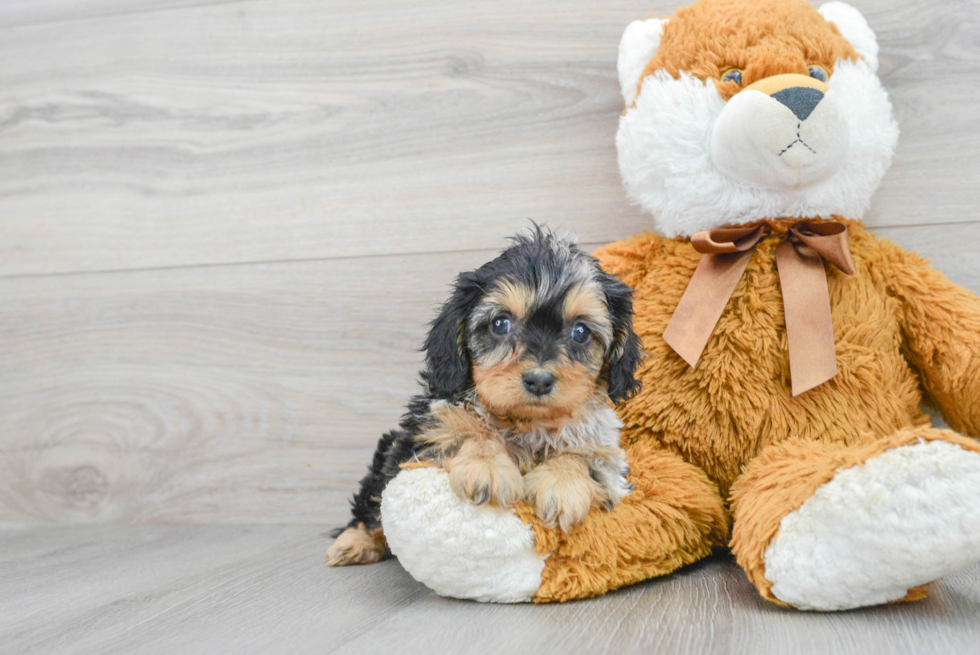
{"x": 500, "y": 325}
{"x": 819, "y": 73}
{"x": 732, "y": 75}
{"x": 580, "y": 333}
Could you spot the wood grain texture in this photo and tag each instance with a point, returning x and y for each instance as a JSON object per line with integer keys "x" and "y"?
{"x": 21, "y": 13}
{"x": 206, "y": 589}
{"x": 175, "y": 133}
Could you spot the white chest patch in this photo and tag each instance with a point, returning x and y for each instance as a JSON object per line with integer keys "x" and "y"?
{"x": 599, "y": 426}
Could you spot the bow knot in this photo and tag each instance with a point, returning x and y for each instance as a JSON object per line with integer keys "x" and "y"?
{"x": 806, "y": 300}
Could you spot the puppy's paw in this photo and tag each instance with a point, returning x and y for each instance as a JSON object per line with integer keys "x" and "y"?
{"x": 357, "y": 546}
{"x": 609, "y": 469}
{"x": 562, "y": 493}
{"x": 479, "y": 479}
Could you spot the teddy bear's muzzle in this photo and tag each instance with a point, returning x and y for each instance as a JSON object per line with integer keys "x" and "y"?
{"x": 782, "y": 132}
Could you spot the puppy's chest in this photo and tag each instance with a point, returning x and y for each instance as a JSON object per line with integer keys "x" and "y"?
{"x": 598, "y": 428}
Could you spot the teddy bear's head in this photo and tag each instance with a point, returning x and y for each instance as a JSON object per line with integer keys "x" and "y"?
{"x": 740, "y": 110}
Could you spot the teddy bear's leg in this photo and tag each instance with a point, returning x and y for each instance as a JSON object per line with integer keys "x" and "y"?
{"x": 673, "y": 516}
{"x": 833, "y": 527}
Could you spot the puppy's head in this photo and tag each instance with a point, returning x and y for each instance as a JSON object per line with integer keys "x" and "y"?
{"x": 535, "y": 333}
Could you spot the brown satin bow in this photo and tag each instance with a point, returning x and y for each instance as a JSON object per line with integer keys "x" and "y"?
{"x": 806, "y": 300}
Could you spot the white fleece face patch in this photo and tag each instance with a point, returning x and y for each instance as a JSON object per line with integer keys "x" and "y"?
{"x": 763, "y": 143}
{"x": 902, "y": 519}
{"x": 457, "y": 549}
{"x": 667, "y": 165}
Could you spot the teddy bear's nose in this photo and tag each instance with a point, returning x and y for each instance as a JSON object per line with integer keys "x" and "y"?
{"x": 801, "y": 100}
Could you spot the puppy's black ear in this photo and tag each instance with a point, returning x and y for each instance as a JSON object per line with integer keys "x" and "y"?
{"x": 447, "y": 362}
{"x": 626, "y": 350}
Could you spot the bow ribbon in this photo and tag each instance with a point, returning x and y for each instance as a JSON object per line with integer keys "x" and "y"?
{"x": 802, "y": 278}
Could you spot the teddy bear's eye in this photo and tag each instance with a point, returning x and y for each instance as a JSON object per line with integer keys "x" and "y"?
{"x": 819, "y": 73}
{"x": 732, "y": 75}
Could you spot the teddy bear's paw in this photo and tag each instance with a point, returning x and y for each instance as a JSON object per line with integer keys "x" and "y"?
{"x": 493, "y": 479}
{"x": 454, "y": 547}
{"x": 876, "y": 531}
{"x": 562, "y": 492}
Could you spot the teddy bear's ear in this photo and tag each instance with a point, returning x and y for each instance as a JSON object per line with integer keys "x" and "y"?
{"x": 637, "y": 47}
{"x": 854, "y": 28}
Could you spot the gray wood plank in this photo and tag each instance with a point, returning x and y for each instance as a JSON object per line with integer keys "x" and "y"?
{"x": 246, "y": 393}
{"x": 255, "y": 589}
{"x": 263, "y": 130}
{"x": 20, "y": 13}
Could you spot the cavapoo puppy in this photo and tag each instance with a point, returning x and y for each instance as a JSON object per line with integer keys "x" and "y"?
{"x": 522, "y": 366}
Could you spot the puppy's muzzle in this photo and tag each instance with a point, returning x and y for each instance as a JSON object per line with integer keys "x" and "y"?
{"x": 538, "y": 382}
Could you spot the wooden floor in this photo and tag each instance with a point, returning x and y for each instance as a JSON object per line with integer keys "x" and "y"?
{"x": 262, "y": 589}
{"x": 224, "y": 225}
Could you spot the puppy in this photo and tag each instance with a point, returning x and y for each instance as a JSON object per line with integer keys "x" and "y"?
{"x": 522, "y": 366}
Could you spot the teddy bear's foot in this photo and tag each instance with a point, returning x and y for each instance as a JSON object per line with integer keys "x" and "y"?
{"x": 457, "y": 548}
{"x": 883, "y": 520}
{"x": 673, "y": 516}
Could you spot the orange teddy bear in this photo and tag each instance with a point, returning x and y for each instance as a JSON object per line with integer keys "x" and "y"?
{"x": 788, "y": 349}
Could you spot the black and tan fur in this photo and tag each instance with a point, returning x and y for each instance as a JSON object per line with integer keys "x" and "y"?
{"x": 524, "y": 413}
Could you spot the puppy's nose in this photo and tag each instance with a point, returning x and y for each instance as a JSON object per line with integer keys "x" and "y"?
{"x": 801, "y": 100}
{"x": 538, "y": 382}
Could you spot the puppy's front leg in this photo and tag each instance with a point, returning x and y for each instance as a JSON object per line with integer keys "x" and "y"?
{"x": 562, "y": 491}
{"x": 474, "y": 455}
{"x": 482, "y": 471}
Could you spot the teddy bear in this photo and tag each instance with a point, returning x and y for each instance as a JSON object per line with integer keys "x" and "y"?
{"x": 788, "y": 349}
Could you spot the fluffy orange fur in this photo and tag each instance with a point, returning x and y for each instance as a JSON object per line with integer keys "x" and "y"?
{"x": 901, "y": 328}
{"x": 735, "y": 400}
{"x": 672, "y": 517}
{"x": 761, "y": 38}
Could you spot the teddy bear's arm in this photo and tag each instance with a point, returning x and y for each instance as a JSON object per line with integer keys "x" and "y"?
{"x": 941, "y": 328}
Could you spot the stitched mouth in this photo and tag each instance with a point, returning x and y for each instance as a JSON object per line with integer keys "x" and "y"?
{"x": 797, "y": 140}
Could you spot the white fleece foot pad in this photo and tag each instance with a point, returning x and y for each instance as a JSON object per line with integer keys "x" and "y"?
{"x": 902, "y": 519}
{"x": 455, "y": 548}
